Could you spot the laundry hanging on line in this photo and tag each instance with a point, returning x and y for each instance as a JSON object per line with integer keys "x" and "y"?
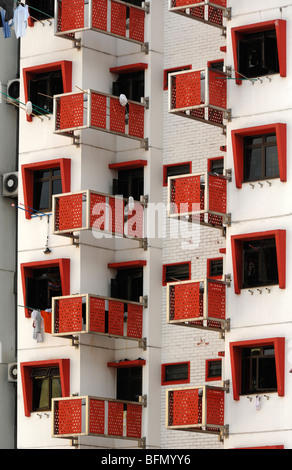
{"x": 8, "y": 6}
{"x": 5, "y": 25}
{"x": 20, "y": 18}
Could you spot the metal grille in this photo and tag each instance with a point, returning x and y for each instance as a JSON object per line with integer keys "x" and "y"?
{"x": 186, "y": 301}
{"x": 96, "y": 416}
{"x": 136, "y": 28}
{"x": 99, "y": 14}
{"x": 186, "y": 194}
{"x": 186, "y": 407}
{"x": 72, "y": 15}
{"x": 136, "y": 120}
{"x": 97, "y": 211}
{"x": 116, "y": 206}
{"x": 217, "y": 194}
{"x": 70, "y": 212}
{"x": 115, "y": 418}
{"x": 217, "y": 89}
{"x": 187, "y": 90}
{"x": 216, "y": 300}
{"x": 69, "y": 414}
{"x": 134, "y": 227}
{"x": 118, "y": 18}
{"x": 116, "y": 318}
{"x": 117, "y": 116}
{"x": 134, "y": 420}
{"x": 70, "y": 314}
{"x": 215, "y": 407}
{"x": 98, "y": 110}
{"x": 70, "y": 111}
{"x": 97, "y": 315}
{"x": 135, "y": 320}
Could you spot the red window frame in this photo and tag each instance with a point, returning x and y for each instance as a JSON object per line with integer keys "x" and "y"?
{"x": 211, "y": 379}
{"x": 26, "y": 368}
{"x": 174, "y": 382}
{"x": 237, "y": 138}
{"x": 209, "y": 268}
{"x": 28, "y": 170}
{"x": 164, "y": 282}
{"x": 236, "y": 362}
{"x": 166, "y": 72}
{"x": 280, "y": 27}
{"x": 26, "y": 270}
{"x": 29, "y": 73}
{"x": 165, "y": 179}
{"x": 237, "y": 255}
{"x": 210, "y": 160}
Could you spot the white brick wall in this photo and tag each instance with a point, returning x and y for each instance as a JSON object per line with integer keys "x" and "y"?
{"x": 187, "y": 42}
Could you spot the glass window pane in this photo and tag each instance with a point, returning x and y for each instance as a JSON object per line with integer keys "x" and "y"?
{"x": 272, "y": 164}
{"x": 253, "y": 164}
{"x": 56, "y": 172}
{"x": 267, "y": 374}
{"x": 56, "y": 187}
{"x": 41, "y": 394}
{"x": 43, "y": 195}
{"x": 56, "y": 387}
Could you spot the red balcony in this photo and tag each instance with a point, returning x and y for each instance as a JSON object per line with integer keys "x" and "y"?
{"x": 197, "y": 409}
{"x": 200, "y": 95}
{"x": 91, "y": 109}
{"x": 209, "y": 12}
{"x": 79, "y": 314}
{"x": 106, "y": 215}
{"x": 199, "y": 198}
{"x": 104, "y": 16}
{"x": 97, "y": 416}
{"x": 198, "y": 304}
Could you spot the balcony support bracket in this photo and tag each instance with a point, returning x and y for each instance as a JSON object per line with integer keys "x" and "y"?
{"x": 224, "y": 433}
{"x": 144, "y": 244}
{"x": 143, "y": 344}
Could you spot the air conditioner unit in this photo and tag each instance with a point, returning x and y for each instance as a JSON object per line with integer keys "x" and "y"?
{"x": 12, "y": 372}
{"x": 10, "y": 184}
{"x": 13, "y": 88}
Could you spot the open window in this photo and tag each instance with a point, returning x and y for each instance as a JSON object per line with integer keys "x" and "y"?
{"x": 129, "y": 83}
{"x": 258, "y": 366}
{"x": 259, "y": 49}
{"x": 260, "y": 153}
{"x": 130, "y": 182}
{"x": 128, "y": 284}
{"x": 175, "y": 373}
{"x": 259, "y": 259}
{"x": 40, "y": 10}
{"x": 176, "y": 272}
{"x": 129, "y": 383}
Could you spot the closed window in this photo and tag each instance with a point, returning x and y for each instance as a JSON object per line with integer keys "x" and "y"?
{"x": 215, "y": 268}
{"x": 258, "y": 370}
{"x": 176, "y": 170}
{"x": 176, "y": 272}
{"x": 46, "y": 384}
{"x": 259, "y": 263}
{"x": 213, "y": 369}
{"x": 260, "y": 157}
{"x": 175, "y": 373}
{"x": 47, "y": 182}
{"x": 216, "y": 165}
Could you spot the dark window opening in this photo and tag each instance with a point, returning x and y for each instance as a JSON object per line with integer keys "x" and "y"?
{"x": 131, "y": 85}
{"x": 174, "y": 70}
{"x": 42, "y": 88}
{"x": 129, "y": 183}
{"x": 176, "y": 170}
{"x": 46, "y": 184}
{"x": 214, "y": 369}
{"x": 217, "y": 166}
{"x": 129, "y": 383}
{"x": 176, "y": 372}
{"x": 217, "y": 65}
{"x": 258, "y": 370}
{"x": 42, "y": 286}
{"x": 137, "y": 3}
{"x": 260, "y": 263}
{"x": 41, "y": 9}
{"x": 177, "y": 272}
{"x": 258, "y": 54}
{"x": 215, "y": 267}
{"x": 46, "y": 384}
{"x": 128, "y": 284}
{"x": 261, "y": 157}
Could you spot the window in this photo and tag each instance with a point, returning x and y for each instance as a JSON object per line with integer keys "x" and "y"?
{"x": 35, "y": 394}
{"x": 260, "y": 157}
{"x": 260, "y": 263}
{"x": 259, "y": 259}
{"x": 213, "y": 369}
{"x": 130, "y": 84}
{"x": 173, "y": 70}
{"x": 215, "y": 268}
{"x": 176, "y": 272}
{"x": 176, "y": 170}
{"x": 41, "y": 9}
{"x": 259, "y": 49}
{"x": 47, "y": 79}
{"x": 44, "y": 179}
{"x": 260, "y": 152}
{"x": 46, "y": 384}
{"x": 129, "y": 383}
{"x": 128, "y": 284}
{"x": 129, "y": 183}
{"x": 258, "y": 366}
{"x": 258, "y": 370}
{"x": 216, "y": 165}
{"x": 176, "y": 373}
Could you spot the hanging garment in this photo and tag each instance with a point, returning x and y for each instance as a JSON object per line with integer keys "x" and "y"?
{"x": 38, "y": 326}
{"x": 6, "y": 26}
{"x": 21, "y": 15}
{"x": 8, "y": 6}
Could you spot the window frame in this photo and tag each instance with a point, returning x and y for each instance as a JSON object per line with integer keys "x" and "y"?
{"x": 279, "y": 25}
{"x": 164, "y": 269}
{"x": 172, "y": 165}
{"x": 237, "y": 139}
{"x": 211, "y": 160}
{"x": 166, "y": 72}
{"x": 208, "y": 378}
{"x": 27, "y": 383}
{"x": 236, "y": 362}
{"x": 262, "y": 147}
{"x": 237, "y": 255}
{"x": 209, "y": 268}
{"x": 38, "y": 377}
{"x": 28, "y": 171}
{"x": 174, "y": 381}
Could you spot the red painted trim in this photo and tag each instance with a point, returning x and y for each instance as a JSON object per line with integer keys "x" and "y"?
{"x": 128, "y": 264}
{"x": 26, "y": 270}
{"x": 263, "y": 447}
{"x": 128, "y": 165}
{"x": 207, "y": 378}
{"x": 280, "y": 27}
{"x": 174, "y": 382}
{"x": 236, "y": 362}
{"x": 131, "y": 68}
{"x": 237, "y": 138}
{"x": 175, "y": 264}
{"x": 174, "y": 164}
{"x": 223, "y": 49}
{"x": 211, "y": 62}
{"x": 64, "y": 65}
{"x": 237, "y": 255}
{"x": 210, "y": 160}
{"x": 222, "y": 250}
{"x": 124, "y": 364}
{"x": 172, "y": 70}
{"x": 209, "y": 268}
{"x": 26, "y": 368}
{"x": 27, "y": 172}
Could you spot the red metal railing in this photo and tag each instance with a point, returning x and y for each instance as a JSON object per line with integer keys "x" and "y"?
{"x": 200, "y": 303}
{"x": 87, "y": 313}
{"x": 97, "y": 416}
{"x": 196, "y": 409}
{"x": 91, "y": 210}
{"x": 105, "y": 16}
{"x": 101, "y": 111}
{"x": 206, "y": 11}
{"x": 199, "y": 197}
{"x": 200, "y": 95}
